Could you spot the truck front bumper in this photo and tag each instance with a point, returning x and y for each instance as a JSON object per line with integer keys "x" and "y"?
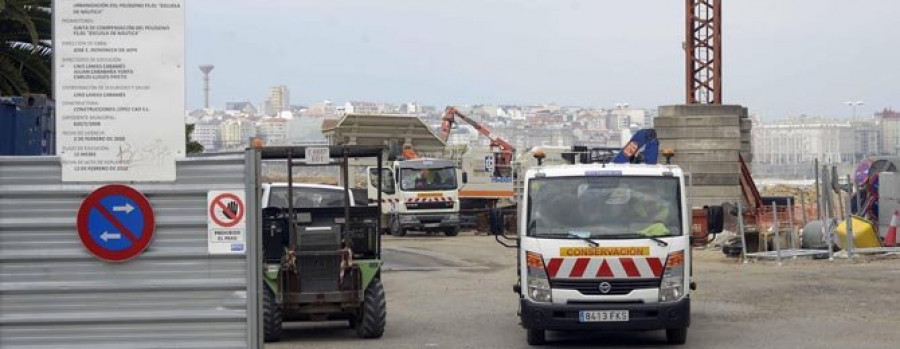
{"x": 564, "y": 317}
{"x": 429, "y": 221}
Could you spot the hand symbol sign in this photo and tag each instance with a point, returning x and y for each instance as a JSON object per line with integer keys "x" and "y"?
{"x": 232, "y": 210}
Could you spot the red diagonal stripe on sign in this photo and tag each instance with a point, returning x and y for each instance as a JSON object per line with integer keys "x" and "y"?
{"x": 656, "y": 266}
{"x": 553, "y": 266}
{"x": 226, "y": 211}
{"x": 604, "y": 271}
{"x": 580, "y": 265}
{"x": 115, "y": 222}
{"x": 630, "y": 269}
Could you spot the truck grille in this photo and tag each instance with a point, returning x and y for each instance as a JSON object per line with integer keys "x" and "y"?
{"x": 428, "y": 205}
{"x": 591, "y": 287}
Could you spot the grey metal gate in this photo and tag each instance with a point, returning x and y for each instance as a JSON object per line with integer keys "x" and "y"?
{"x": 55, "y": 294}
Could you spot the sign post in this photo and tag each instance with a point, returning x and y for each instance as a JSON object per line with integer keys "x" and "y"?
{"x": 119, "y": 89}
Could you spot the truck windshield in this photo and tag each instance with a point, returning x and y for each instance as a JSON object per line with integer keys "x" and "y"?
{"x": 421, "y": 179}
{"x": 307, "y": 197}
{"x": 604, "y": 207}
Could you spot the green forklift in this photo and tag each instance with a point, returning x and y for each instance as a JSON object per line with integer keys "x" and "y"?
{"x": 322, "y": 262}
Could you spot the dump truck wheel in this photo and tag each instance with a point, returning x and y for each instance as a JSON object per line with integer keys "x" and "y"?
{"x": 271, "y": 316}
{"x": 676, "y": 336}
{"x": 396, "y": 229}
{"x": 536, "y": 337}
{"x": 451, "y": 231}
{"x": 374, "y": 312}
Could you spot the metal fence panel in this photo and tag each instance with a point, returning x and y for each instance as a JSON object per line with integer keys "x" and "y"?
{"x": 55, "y": 294}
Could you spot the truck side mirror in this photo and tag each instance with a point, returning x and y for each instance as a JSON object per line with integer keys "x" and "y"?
{"x": 465, "y": 177}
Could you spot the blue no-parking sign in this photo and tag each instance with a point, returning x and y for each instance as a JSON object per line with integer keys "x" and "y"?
{"x": 115, "y": 223}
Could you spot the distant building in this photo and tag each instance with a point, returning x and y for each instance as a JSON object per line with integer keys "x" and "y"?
{"x": 273, "y": 131}
{"x": 235, "y": 134}
{"x": 361, "y": 108}
{"x": 889, "y": 125}
{"x": 279, "y": 100}
{"x": 795, "y": 144}
{"x": 241, "y": 107}
{"x": 321, "y": 110}
{"x": 206, "y": 132}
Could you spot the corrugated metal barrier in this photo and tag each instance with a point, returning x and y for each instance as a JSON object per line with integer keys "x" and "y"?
{"x": 55, "y": 294}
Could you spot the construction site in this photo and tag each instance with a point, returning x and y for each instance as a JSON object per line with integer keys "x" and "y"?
{"x": 376, "y": 229}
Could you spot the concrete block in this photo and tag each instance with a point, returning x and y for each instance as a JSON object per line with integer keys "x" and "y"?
{"x": 716, "y": 179}
{"x": 696, "y": 121}
{"x": 701, "y": 109}
{"x": 732, "y": 166}
{"x": 716, "y": 190}
{"x": 707, "y": 144}
{"x": 698, "y": 132}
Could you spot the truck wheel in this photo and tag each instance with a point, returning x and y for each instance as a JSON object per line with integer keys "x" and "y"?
{"x": 676, "y": 336}
{"x": 451, "y": 231}
{"x": 373, "y": 316}
{"x": 396, "y": 229}
{"x": 537, "y": 337}
{"x": 271, "y": 316}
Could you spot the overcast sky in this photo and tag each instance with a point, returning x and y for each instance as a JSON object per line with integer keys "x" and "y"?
{"x": 781, "y": 57}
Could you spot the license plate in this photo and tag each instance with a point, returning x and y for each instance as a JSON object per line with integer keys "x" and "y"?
{"x": 603, "y": 316}
{"x": 432, "y": 225}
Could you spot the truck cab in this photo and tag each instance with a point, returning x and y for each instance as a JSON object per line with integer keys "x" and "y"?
{"x": 419, "y": 194}
{"x": 604, "y": 247}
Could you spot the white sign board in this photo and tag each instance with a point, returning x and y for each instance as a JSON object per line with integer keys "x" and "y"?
{"x": 226, "y": 222}
{"x": 489, "y": 163}
{"x": 119, "y": 89}
{"x": 317, "y": 156}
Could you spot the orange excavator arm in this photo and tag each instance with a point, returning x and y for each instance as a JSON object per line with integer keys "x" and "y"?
{"x": 449, "y": 118}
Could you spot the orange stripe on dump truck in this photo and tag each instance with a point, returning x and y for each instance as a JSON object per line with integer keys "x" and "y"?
{"x": 486, "y": 193}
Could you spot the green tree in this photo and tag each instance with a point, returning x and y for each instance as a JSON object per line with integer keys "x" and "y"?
{"x": 26, "y": 52}
{"x": 192, "y": 147}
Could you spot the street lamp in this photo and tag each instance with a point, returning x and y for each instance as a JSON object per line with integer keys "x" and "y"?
{"x": 853, "y": 106}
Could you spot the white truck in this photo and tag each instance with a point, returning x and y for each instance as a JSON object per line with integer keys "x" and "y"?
{"x": 604, "y": 247}
{"x": 420, "y": 194}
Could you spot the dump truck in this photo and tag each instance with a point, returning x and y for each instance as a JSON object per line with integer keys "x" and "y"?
{"x": 420, "y": 194}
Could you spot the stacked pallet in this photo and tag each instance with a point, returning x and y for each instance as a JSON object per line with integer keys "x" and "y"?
{"x": 707, "y": 140}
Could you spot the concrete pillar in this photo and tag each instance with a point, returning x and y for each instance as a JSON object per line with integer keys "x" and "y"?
{"x": 707, "y": 140}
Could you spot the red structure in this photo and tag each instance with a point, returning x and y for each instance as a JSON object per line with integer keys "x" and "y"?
{"x": 703, "y": 51}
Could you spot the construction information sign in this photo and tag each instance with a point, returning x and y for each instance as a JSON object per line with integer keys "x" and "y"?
{"x": 119, "y": 88}
{"x": 227, "y": 222}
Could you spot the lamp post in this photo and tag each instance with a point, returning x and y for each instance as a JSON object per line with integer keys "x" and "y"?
{"x": 853, "y": 106}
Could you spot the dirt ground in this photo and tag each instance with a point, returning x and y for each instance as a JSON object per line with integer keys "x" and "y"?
{"x": 457, "y": 293}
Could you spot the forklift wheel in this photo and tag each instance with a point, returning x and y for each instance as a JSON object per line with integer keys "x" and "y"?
{"x": 536, "y": 337}
{"x": 271, "y": 316}
{"x": 374, "y": 312}
{"x": 677, "y": 336}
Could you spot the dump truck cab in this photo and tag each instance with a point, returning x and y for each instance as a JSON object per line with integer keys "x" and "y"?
{"x": 604, "y": 247}
{"x": 419, "y": 194}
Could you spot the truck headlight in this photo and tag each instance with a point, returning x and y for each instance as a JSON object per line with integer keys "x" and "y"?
{"x": 538, "y": 283}
{"x": 672, "y": 286}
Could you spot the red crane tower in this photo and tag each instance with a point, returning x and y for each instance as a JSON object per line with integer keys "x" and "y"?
{"x": 703, "y": 51}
